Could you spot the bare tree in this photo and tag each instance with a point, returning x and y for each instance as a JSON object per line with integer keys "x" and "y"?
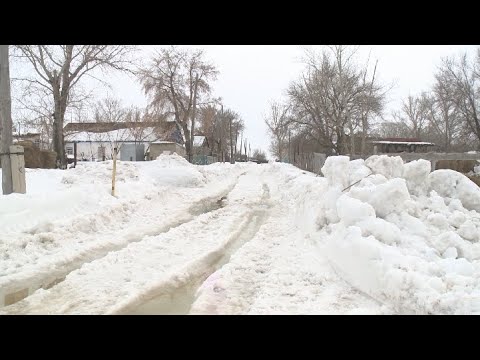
{"x": 394, "y": 129}
{"x": 206, "y": 124}
{"x": 464, "y": 76}
{"x": 335, "y": 98}
{"x": 232, "y": 120}
{"x": 277, "y": 122}
{"x": 59, "y": 70}
{"x": 178, "y": 79}
{"x": 370, "y": 103}
{"x": 413, "y": 113}
{"x": 222, "y": 128}
{"x": 442, "y": 112}
{"x": 259, "y": 155}
{"x": 110, "y": 110}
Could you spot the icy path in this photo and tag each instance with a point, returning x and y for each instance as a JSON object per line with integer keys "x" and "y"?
{"x": 279, "y": 271}
{"x": 283, "y": 276}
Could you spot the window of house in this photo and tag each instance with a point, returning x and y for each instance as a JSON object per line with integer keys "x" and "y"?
{"x": 69, "y": 150}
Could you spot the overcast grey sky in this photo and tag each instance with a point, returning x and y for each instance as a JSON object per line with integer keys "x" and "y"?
{"x": 252, "y": 75}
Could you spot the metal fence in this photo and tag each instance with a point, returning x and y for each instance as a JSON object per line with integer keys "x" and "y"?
{"x": 312, "y": 162}
{"x": 203, "y": 159}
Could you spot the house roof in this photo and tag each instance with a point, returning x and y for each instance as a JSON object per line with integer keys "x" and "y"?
{"x": 123, "y": 131}
{"x": 25, "y": 135}
{"x": 98, "y": 127}
{"x": 402, "y": 142}
{"x": 122, "y": 135}
{"x": 399, "y": 139}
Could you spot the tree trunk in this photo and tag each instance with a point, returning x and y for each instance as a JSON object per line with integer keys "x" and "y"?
{"x": 221, "y": 149}
{"x": 186, "y": 133}
{"x": 236, "y": 140}
{"x": 5, "y": 121}
{"x": 352, "y": 144}
{"x": 289, "y": 148}
{"x": 364, "y": 132}
{"x": 60, "y": 103}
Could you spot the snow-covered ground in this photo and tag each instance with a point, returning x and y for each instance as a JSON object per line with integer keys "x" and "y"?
{"x": 243, "y": 239}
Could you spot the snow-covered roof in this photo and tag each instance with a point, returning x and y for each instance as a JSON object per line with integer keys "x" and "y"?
{"x": 123, "y": 132}
{"x": 198, "y": 140}
{"x": 402, "y": 142}
{"x": 145, "y": 135}
{"x": 163, "y": 142}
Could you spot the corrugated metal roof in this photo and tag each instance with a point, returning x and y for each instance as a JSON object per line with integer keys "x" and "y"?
{"x": 402, "y": 142}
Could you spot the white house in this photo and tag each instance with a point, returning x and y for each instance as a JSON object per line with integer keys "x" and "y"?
{"x": 96, "y": 141}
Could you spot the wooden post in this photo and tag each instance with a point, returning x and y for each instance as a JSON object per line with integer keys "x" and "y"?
{"x": 114, "y": 170}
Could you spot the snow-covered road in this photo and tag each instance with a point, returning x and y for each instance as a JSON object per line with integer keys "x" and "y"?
{"x": 241, "y": 239}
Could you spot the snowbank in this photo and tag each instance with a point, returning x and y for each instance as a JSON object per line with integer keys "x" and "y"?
{"x": 405, "y": 236}
{"x": 449, "y": 183}
{"x": 69, "y": 217}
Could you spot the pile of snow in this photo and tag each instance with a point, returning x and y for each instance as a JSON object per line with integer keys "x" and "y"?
{"x": 69, "y": 216}
{"x": 405, "y": 236}
{"x": 172, "y": 170}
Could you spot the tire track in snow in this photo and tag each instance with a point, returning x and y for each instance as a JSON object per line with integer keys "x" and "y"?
{"x": 178, "y": 300}
{"x": 127, "y": 278}
{"x": 55, "y": 272}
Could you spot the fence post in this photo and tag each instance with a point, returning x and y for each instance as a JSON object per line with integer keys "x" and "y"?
{"x": 114, "y": 170}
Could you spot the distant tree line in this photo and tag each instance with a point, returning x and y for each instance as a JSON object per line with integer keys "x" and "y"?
{"x": 448, "y": 113}
{"x": 177, "y": 82}
{"x": 338, "y": 103}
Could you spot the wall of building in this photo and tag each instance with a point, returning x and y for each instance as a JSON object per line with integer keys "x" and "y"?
{"x": 90, "y": 150}
{"x": 157, "y": 149}
{"x": 132, "y": 152}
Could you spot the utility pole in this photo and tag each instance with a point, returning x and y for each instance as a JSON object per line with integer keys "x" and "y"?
{"x": 194, "y": 111}
{"x": 11, "y": 157}
{"x": 289, "y": 149}
{"x": 246, "y": 153}
{"x": 241, "y": 143}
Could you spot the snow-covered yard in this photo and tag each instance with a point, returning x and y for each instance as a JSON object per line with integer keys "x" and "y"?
{"x": 242, "y": 239}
